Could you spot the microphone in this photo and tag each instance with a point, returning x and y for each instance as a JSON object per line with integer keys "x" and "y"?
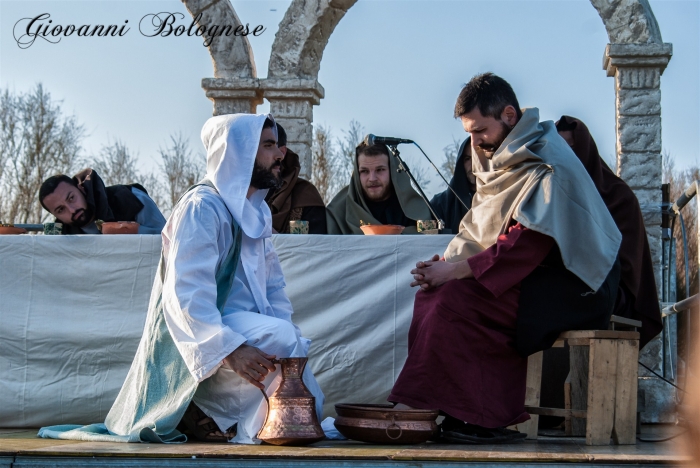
{"x": 371, "y": 140}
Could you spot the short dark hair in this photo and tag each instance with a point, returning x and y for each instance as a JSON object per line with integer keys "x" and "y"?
{"x": 490, "y": 94}
{"x": 269, "y": 123}
{"x": 281, "y": 136}
{"x": 374, "y": 150}
{"x": 49, "y": 186}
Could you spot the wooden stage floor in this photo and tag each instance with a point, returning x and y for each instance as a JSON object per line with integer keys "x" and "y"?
{"x": 21, "y": 448}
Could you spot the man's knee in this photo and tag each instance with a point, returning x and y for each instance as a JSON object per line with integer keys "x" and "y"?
{"x": 276, "y": 336}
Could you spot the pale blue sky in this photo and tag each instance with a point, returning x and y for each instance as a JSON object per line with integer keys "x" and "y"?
{"x": 395, "y": 66}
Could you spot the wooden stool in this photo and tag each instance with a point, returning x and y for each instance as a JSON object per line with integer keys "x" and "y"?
{"x": 610, "y": 384}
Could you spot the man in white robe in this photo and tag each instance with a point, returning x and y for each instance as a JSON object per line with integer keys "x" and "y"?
{"x": 229, "y": 352}
{"x": 218, "y": 313}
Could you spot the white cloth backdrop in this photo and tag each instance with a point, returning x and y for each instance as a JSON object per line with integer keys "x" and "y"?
{"x": 72, "y": 310}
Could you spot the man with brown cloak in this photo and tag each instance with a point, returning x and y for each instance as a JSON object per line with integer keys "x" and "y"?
{"x": 636, "y": 295}
{"x": 296, "y": 199}
{"x": 377, "y": 194}
{"x": 537, "y": 227}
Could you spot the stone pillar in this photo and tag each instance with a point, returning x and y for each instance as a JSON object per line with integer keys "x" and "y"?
{"x": 233, "y": 95}
{"x": 637, "y": 69}
{"x": 291, "y": 104}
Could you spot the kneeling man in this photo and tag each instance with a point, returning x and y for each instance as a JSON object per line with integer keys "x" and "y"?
{"x": 535, "y": 256}
{"x": 218, "y": 314}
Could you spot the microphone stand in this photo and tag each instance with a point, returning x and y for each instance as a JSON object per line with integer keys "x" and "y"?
{"x": 404, "y": 167}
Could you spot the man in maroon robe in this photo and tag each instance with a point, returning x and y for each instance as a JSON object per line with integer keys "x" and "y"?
{"x": 537, "y": 226}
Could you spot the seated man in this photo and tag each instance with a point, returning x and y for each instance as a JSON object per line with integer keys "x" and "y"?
{"x": 296, "y": 199}
{"x": 218, "y": 314}
{"x": 537, "y": 228}
{"x": 450, "y": 208}
{"x": 636, "y": 294}
{"x": 377, "y": 194}
{"x": 80, "y": 201}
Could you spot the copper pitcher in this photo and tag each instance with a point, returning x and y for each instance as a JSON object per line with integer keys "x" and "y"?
{"x": 291, "y": 410}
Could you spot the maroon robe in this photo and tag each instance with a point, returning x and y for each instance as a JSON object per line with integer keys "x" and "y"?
{"x": 461, "y": 345}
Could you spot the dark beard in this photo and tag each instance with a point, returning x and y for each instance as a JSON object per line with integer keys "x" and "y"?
{"x": 84, "y": 218}
{"x": 264, "y": 178}
{"x": 490, "y": 149}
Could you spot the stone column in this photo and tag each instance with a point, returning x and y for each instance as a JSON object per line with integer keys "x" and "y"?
{"x": 291, "y": 104}
{"x": 637, "y": 69}
{"x": 233, "y": 95}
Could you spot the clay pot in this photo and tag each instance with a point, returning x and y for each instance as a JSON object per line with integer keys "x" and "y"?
{"x": 382, "y": 424}
{"x": 120, "y": 227}
{"x": 11, "y": 230}
{"x": 382, "y": 229}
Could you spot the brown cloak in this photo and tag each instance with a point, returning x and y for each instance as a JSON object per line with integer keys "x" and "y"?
{"x": 295, "y": 193}
{"x": 637, "y": 270}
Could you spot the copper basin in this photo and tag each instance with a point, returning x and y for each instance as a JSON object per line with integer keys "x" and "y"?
{"x": 382, "y": 424}
{"x": 120, "y": 227}
{"x": 381, "y": 229}
{"x": 12, "y": 230}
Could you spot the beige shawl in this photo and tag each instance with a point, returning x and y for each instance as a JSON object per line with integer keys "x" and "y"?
{"x": 535, "y": 178}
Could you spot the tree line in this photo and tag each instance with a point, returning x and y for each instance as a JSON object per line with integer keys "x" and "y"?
{"x": 37, "y": 140}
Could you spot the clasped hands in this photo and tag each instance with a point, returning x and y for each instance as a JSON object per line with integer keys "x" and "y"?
{"x": 436, "y": 271}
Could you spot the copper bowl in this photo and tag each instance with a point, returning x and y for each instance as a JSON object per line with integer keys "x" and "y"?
{"x": 120, "y": 227}
{"x": 12, "y": 230}
{"x": 381, "y": 229}
{"x": 382, "y": 424}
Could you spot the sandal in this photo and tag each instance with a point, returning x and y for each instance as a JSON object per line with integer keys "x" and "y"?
{"x": 458, "y": 432}
{"x": 203, "y": 428}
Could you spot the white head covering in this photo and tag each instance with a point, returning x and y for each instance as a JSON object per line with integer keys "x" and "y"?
{"x": 231, "y": 142}
{"x": 535, "y": 178}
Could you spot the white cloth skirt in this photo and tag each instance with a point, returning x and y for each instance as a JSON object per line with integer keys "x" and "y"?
{"x": 228, "y": 399}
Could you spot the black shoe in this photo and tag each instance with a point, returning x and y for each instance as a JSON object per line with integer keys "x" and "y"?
{"x": 458, "y": 432}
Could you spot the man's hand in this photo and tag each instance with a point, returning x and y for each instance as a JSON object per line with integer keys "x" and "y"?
{"x": 250, "y": 363}
{"x": 437, "y": 271}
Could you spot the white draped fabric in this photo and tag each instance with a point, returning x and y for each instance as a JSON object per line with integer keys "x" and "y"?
{"x": 72, "y": 310}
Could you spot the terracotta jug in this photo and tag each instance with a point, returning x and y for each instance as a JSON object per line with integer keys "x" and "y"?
{"x": 291, "y": 410}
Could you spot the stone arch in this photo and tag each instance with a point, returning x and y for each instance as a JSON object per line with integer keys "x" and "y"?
{"x": 234, "y": 87}
{"x": 303, "y": 35}
{"x": 628, "y": 21}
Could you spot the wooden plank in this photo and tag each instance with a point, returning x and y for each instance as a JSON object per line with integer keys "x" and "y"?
{"x": 602, "y": 372}
{"x": 625, "y": 425}
{"x": 626, "y": 322}
{"x": 578, "y": 361}
{"x": 558, "y": 344}
{"x": 532, "y": 393}
{"x": 601, "y": 334}
{"x": 579, "y": 341}
{"x": 539, "y": 410}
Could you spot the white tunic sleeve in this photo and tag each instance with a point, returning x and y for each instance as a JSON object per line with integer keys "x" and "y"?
{"x": 196, "y": 239}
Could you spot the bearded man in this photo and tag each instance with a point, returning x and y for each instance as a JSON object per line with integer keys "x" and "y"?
{"x": 296, "y": 199}
{"x": 218, "y": 314}
{"x": 537, "y": 227}
{"x": 79, "y": 201}
{"x": 377, "y": 194}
